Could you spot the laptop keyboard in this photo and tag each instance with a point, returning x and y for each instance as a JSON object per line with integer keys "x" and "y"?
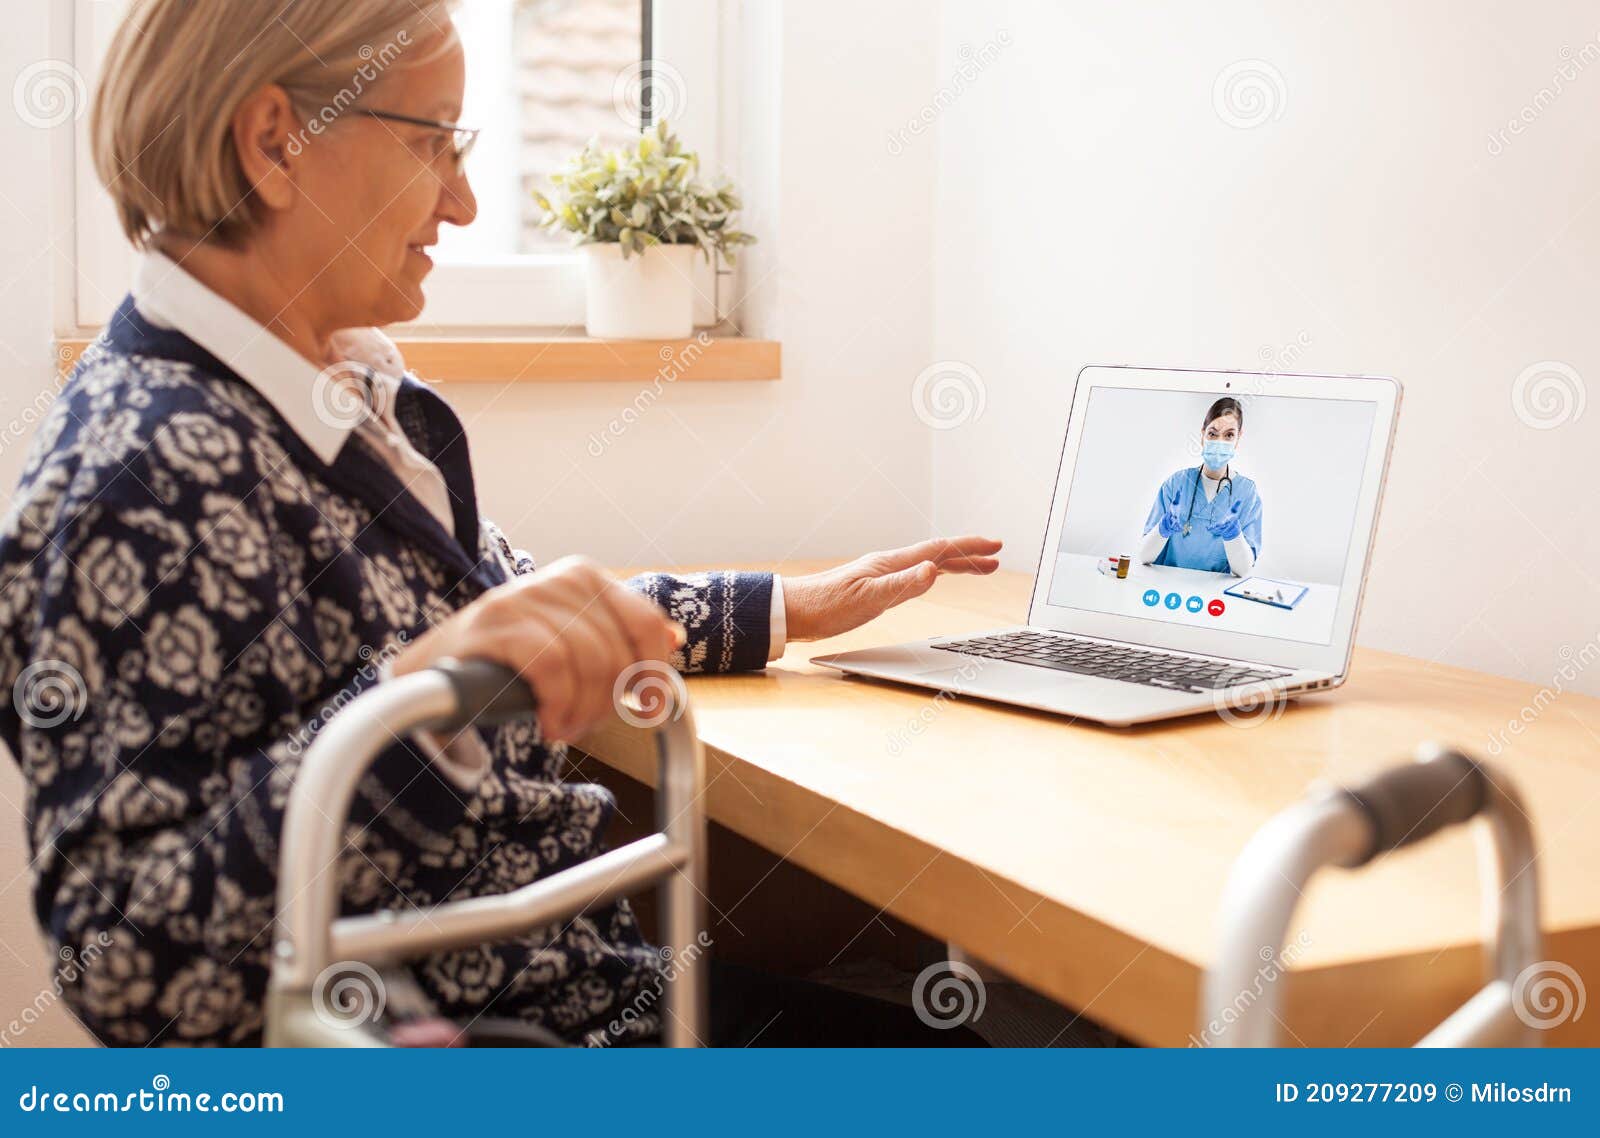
{"x": 1113, "y": 661}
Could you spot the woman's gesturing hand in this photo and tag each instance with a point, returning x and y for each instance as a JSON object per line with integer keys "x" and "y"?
{"x": 820, "y": 605}
{"x": 569, "y": 630}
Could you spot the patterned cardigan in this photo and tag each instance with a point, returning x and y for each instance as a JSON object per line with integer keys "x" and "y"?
{"x": 186, "y": 594}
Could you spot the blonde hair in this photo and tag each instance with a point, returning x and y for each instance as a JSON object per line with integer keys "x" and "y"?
{"x": 177, "y": 71}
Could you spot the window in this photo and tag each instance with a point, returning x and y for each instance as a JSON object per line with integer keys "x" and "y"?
{"x": 544, "y": 77}
{"x": 565, "y": 74}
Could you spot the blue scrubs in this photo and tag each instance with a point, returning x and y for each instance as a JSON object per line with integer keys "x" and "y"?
{"x": 1198, "y": 549}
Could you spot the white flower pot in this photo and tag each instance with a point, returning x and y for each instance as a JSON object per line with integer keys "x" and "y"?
{"x": 648, "y": 296}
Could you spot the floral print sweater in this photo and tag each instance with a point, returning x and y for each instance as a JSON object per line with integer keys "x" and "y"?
{"x": 187, "y": 593}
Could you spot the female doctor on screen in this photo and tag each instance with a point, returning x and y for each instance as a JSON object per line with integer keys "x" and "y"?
{"x": 1207, "y": 517}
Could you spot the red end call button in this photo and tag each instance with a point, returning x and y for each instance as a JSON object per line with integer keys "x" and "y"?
{"x": 1216, "y": 606}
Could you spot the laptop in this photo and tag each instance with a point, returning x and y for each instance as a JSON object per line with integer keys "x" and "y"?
{"x": 1206, "y": 548}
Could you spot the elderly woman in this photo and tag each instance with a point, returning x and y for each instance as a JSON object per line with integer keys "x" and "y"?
{"x": 214, "y": 555}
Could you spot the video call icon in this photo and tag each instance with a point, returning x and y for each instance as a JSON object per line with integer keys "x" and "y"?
{"x": 1194, "y": 604}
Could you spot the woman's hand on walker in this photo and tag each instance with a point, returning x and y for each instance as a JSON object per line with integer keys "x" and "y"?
{"x": 570, "y": 630}
{"x": 820, "y": 605}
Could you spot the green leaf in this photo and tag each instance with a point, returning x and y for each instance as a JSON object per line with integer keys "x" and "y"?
{"x": 642, "y": 195}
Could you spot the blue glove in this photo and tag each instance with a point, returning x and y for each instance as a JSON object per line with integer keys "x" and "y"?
{"x": 1228, "y": 528}
{"x": 1169, "y": 523}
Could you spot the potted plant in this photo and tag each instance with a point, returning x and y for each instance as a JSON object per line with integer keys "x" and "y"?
{"x": 640, "y": 215}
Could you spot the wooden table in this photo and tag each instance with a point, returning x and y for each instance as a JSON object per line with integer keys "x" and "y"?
{"x": 1088, "y": 862}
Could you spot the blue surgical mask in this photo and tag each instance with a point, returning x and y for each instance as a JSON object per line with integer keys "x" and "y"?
{"x": 1217, "y": 454}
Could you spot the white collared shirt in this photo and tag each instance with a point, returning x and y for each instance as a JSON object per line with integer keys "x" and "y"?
{"x": 170, "y": 297}
{"x": 323, "y": 406}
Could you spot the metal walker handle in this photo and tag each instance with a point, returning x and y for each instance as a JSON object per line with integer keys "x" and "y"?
{"x": 1350, "y": 828}
{"x": 310, "y": 935}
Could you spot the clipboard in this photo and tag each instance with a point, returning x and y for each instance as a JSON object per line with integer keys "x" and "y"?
{"x": 1264, "y": 590}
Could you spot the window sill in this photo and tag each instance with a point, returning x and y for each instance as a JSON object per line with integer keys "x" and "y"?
{"x": 571, "y": 359}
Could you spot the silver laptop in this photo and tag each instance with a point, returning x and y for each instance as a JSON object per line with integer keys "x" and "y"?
{"x": 1206, "y": 549}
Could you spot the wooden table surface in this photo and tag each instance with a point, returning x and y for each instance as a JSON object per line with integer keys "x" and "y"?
{"x": 1088, "y": 862}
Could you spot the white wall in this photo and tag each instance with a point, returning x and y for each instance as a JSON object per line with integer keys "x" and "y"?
{"x": 1095, "y": 207}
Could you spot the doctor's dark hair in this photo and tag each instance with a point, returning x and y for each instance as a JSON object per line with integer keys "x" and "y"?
{"x": 1227, "y": 405}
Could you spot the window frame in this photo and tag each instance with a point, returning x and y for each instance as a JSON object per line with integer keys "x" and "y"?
{"x": 533, "y": 293}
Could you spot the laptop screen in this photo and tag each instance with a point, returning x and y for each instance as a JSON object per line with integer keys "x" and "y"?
{"x": 1216, "y": 510}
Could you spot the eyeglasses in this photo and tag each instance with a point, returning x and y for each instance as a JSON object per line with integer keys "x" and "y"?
{"x": 462, "y": 139}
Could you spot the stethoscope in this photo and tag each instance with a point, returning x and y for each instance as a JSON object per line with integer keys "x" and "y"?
{"x": 1227, "y": 479}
